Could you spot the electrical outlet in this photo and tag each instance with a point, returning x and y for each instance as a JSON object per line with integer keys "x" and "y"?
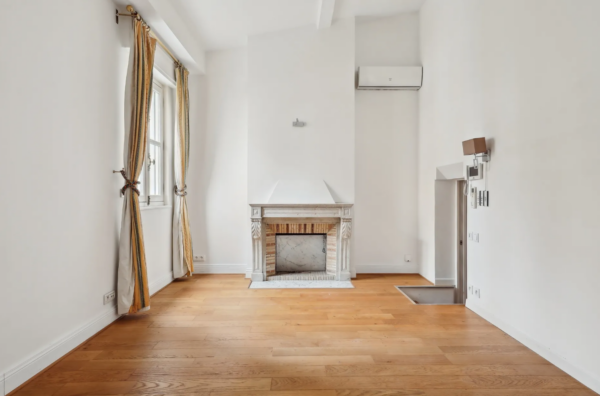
{"x": 477, "y": 292}
{"x": 200, "y": 258}
{"x": 470, "y": 236}
{"x": 471, "y": 289}
{"x": 407, "y": 258}
{"x": 476, "y": 237}
{"x": 110, "y": 296}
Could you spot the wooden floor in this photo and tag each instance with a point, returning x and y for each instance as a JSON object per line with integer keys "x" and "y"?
{"x": 210, "y": 335}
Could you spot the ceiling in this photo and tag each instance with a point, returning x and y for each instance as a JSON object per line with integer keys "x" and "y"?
{"x": 221, "y": 24}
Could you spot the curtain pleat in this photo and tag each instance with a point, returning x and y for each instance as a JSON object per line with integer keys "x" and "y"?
{"x": 183, "y": 263}
{"x": 133, "y": 294}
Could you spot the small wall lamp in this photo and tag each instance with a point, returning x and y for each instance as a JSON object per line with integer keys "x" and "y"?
{"x": 477, "y": 148}
{"x": 298, "y": 123}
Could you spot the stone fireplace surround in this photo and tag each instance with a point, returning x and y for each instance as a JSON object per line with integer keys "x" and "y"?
{"x": 335, "y": 220}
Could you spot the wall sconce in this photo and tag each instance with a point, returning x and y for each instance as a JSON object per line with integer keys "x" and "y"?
{"x": 478, "y": 149}
{"x": 298, "y": 123}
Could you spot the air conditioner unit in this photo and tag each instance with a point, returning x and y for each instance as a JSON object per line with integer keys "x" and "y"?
{"x": 395, "y": 77}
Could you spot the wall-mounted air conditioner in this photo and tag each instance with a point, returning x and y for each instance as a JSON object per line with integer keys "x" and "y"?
{"x": 390, "y": 77}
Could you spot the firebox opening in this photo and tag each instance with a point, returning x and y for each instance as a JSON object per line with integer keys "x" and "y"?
{"x": 297, "y": 253}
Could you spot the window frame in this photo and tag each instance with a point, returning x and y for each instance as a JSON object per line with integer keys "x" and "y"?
{"x": 146, "y": 199}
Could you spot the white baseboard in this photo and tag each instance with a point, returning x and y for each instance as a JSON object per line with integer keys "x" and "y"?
{"x": 161, "y": 282}
{"x": 585, "y": 377}
{"x": 445, "y": 282}
{"x": 408, "y": 268}
{"x": 219, "y": 268}
{"x": 29, "y": 367}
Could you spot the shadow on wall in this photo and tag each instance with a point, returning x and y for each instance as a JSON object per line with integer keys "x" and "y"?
{"x": 335, "y": 196}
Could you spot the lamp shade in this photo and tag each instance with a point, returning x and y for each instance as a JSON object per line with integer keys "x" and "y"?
{"x": 474, "y": 146}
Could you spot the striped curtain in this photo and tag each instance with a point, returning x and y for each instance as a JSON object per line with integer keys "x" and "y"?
{"x": 183, "y": 263}
{"x": 133, "y": 294}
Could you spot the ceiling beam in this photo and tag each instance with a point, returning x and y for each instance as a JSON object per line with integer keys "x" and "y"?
{"x": 325, "y": 16}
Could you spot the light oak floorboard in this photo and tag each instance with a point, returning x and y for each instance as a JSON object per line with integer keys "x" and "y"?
{"x": 210, "y": 335}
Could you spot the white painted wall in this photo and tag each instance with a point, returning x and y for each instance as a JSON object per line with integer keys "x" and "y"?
{"x": 388, "y": 41}
{"x": 385, "y": 212}
{"x": 61, "y": 121}
{"x": 157, "y": 224}
{"x": 489, "y": 71}
{"x": 244, "y": 125}
{"x": 307, "y": 74}
{"x": 219, "y": 212}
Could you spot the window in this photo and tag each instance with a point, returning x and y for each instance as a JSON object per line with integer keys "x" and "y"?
{"x": 152, "y": 176}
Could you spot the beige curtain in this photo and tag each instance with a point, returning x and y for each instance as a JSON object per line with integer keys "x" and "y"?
{"x": 133, "y": 295}
{"x": 183, "y": 263}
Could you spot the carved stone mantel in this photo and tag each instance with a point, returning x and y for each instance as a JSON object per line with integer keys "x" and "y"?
{"x": 339, "y": 214}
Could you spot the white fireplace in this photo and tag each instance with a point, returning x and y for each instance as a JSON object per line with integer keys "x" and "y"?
{"x": 303, "y": 231}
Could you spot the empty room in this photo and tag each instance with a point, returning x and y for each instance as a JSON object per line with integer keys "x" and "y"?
{"x": 299, "y": 197}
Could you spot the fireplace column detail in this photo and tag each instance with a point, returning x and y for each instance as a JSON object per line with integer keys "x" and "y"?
{"x": 258, "y": 272}
{"x": 346, "y": 232}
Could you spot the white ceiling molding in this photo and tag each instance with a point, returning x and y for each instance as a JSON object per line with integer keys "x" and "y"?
{"x": 325, "y": 17}
{"x": 172, "y": 31}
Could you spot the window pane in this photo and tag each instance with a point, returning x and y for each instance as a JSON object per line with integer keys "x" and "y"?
{"x": 155, "y": 117}
{"x": 158, "y": 107}
{"x": 155, "y": 170}
{"x": 141, "y": 180}
{"x": 152, "y": 117}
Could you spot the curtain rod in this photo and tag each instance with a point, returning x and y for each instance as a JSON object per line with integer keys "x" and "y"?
{"x": 134, "y": 14}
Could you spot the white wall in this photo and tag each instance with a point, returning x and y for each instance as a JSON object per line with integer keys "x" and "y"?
{"x": 524, "y": 74}
{"x": 307, "y": 74}
{"x": 219, "y": 212}
{"x": 385, "y": 212}
{"x": 61, "y": 122}
{"x": 388, "y": 41}
{"x": 245, "y": 140}
{"x": 157, "y": 224}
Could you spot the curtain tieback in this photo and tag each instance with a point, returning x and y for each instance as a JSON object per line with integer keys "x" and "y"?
{"x": 128, "y": 183}
{"x": 182, "y": 192}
